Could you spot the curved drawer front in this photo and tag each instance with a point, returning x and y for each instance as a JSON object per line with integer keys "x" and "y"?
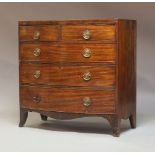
{"x": 53, "y": 52}
{"x": 67, "y": 100}
{"x": 68, "y": 75}
{"x": 39, "y": 33}
{"x": 89, "y": 33}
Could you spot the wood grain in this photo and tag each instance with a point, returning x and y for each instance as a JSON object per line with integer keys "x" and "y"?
{"x": 60, "y": 52}
{"x": 68, "y": 75}
{"x": 68, "y": 100}
{"x": 74, "y": 33}
{"x": 127, "y": 70}
{"x": 70, "y": 22}
{"x": 47, "y": 33}
{"x": 60, "y": 89}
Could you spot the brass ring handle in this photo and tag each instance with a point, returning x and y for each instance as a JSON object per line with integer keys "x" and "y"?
{"x": 36, "y": 99}
{"x": 36, "y": 52}
{"x": 86, "y": 34}
{"x": 87, "y": 76}
{"x": 37, "y": 74}
{"x": 36, "y": 35}
{"x": 87, "y": 101}
{"x": 86, "y": 52}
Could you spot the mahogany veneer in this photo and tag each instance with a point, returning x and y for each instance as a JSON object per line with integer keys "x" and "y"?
{"x": 78, "y": 68}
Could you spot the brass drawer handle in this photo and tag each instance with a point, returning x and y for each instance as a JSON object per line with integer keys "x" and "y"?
{"x": 36, "y": 99}
{"x": 36, "y": 52}
{"x": 86, "y": 52}
{"x": 87, "y": 76}
{"x": 86, "y": 34}
{"x": 37, "y": 74}
{"x": 36, "y": 35}
{"x": 87, "y": 101}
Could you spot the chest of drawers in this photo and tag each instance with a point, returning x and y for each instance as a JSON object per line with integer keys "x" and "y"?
{"x": 78, "y": 68}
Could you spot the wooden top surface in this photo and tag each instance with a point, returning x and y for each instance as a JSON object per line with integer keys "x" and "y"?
{"x": 65, "y": 22}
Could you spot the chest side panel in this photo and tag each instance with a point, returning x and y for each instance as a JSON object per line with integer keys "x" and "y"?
{"x": 127, "y": 68}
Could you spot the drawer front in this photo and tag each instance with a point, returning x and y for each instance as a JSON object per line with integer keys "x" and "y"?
{"x": 89, "y": 33}
{"x": 68, "y": 52}
{"x": 40, "y": 52}
{"x": 68, "y": 100}
{"x": 39, "y": 33}
{"x": 68, "y": 75}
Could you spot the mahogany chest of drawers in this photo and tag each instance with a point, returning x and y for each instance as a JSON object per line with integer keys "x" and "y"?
{"x": 78, "y": 68}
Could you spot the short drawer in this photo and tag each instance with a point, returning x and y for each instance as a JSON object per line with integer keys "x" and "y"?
{"x": 39, "y": 33}
{"x": 68, "y": 100}
{"x": 89, "y": 33}
{"x": 54, "y": 52}
{"x": 68, "y": 75}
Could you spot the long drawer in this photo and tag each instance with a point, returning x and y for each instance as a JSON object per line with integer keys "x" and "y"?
{"x": 56, "y": 52}
{"x": 68, "y": 100}
{"x": 67, "y": 75}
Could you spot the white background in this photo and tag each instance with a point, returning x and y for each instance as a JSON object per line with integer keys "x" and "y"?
{"x": 87, "y": 134}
